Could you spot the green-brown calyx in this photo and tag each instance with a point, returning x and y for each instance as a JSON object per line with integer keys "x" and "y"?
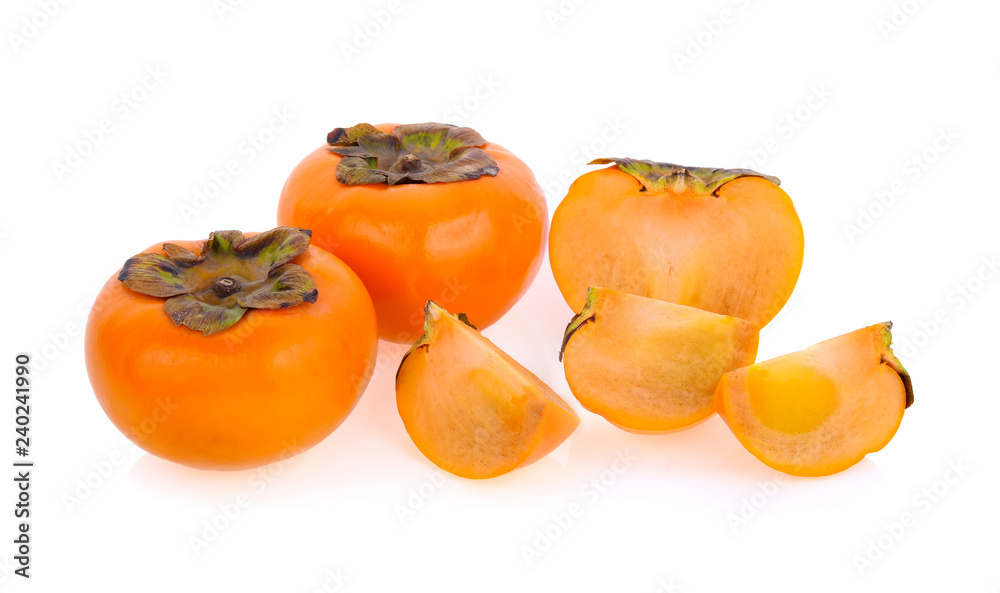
{"x": 668, "y": 177}
{"x": 432, "y": 311}
{"x": 211, "y": 291}
{"x": 412, "y": 153}
{"x": 580, "y": 319}
{"x": 889, "y": 359}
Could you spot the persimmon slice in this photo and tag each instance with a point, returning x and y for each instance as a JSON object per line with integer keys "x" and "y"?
{"x": 821, "y": 410}
{"x": 648, "y": 365}
{"x": 470, "y": 408}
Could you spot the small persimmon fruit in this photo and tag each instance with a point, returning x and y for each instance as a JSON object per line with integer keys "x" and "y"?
{"x": 821, "y": 410}
{"x": 422, "y": 212}
{"x": 472, "y": 409}
{"x": 722, "y": 240}
{"x": 261, "y": 349}
{"x": 648, "y": 365}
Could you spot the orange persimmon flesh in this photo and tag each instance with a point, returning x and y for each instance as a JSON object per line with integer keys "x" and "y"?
{"x": 821, "y": 410}
{"x": 472, "y": 409}
{"x": 736, "y": 251}
{"x": 648, "y": 365}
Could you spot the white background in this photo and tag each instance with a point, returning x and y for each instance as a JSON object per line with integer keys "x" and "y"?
{"x": 831, "y": 97}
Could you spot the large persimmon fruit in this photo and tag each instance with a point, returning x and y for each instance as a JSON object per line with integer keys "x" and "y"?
{"x": 422, "y": 212}
{"x": 821, "y": 410}
{"x": 651, "y": 366}
{"x": 233, "y": 352}
{"x": 472, "y": 409}
{"x": 722, "y": 240}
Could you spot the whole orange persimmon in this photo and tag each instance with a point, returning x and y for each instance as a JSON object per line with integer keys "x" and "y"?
{"x": 233, "y": 352}
{"x": 422, "y": 212}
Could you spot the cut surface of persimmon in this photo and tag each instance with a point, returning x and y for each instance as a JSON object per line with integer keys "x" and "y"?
{"x": 470, "y": 408}
{"x": 821, "y": 410}
{"x": 722, "y": 240}
{"x": 648, "y": 365}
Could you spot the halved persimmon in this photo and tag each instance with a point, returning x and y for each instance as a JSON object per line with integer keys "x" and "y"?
{"x": 648, "y": 365}
{"x": 422, "y": 212}
{"x": 723, "y": 240}
{"x": 233, "y": 352}
{"x": 821, "y": 410}
{"x": 470, "y": 408}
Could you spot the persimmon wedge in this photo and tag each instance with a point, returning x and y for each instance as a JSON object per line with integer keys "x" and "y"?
{"x": 648, "y": 365}
{"x": 723, "y": 240}
{"x": 821, "y": 410}
{"x": 470, "y": 408}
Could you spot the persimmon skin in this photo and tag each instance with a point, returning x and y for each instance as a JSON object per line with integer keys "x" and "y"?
{"x": 472, "y": 246}
{"x": 737, "y": 253}
{"x": 271, "y": 386}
